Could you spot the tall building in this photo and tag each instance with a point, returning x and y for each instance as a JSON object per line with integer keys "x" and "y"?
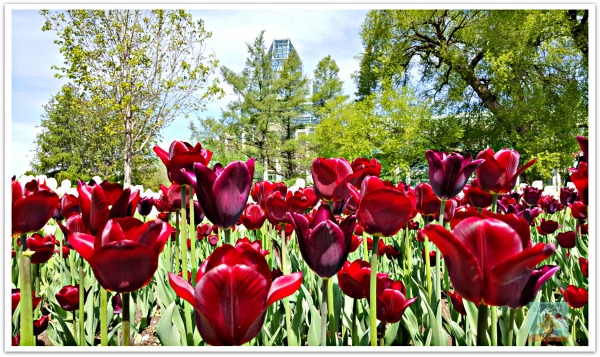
{"x": 280, "y": 50}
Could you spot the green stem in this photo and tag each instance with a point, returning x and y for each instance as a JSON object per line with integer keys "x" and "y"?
{"x": 103, "y": 317}
{"x": 373, "y": 292}
{"x": 72, "y": 268}
{"x": 438, "y": 274}
{"x": 494, "y": 202}
{"x": 482, "y": 324}
{"x": 192, "y": 235}
{"x": 286, "y": 302}
{"x": 61, "y": 260}
{"x": 26, "y": 315}
{"x": 408, "y": 257}
{"x": 81, "y": 304}
{"x": 428, "y": 267}
{"x": 382, "y": 342}
{"x": 324, "y": 312}
{"x": 125, "y": 317}
{"x": 494, "y": 327}
{"x": 227, "y": 236}
{"x": 184, "y": 265}
{"x": 355, "y": 337}
{"x": 365, "y": 248}
{"x": 332, "y": 326}
{"x": 511, "y": 322}
{"x": 176, "y": 255}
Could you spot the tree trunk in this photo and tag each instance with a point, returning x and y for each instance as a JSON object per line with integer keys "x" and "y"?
{"x": 128, "y": 154}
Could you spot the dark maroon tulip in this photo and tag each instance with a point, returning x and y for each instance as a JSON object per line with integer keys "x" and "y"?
{"x": 356, "y": 242}
{"x": 213, "y": 239}
{"x": 262, "y": 189}
{"x": 256, "y": 245}
{"x": 383, "y": 208}
{"x": 68, "y": 297}
{"x": 488, "y": 261}
{"x": 547, "y": 227}
{"x": 579, "y": 210}
{"x": 538, "y": 277}
{"x": 361, "y": 168}
{"x": 253, "y": 217}
{"x": 15, "y": 340}
{"x": 276, "y": 273}
{"x": 30, "y": 212}
{"x": 276, "y": 208}
{"x": 477, "y": 197}
{"x": 205, "y": 229}
{"x": 567, "y": 195}
{"x": 15, "y": 298}
{"x": 457, "y": 302}
{"x": 182, "y": 155}
{"x": 324, "y": 244}
{"x": 145, "y": 205}
{"x": 583, "y": 228}
{"x": 391, "y": 300}
{"x": 42, "y": 248}
{"x": 566, "y": 240}
{"x": 531, "y": 195}
{"x": 583, "y": 265}
{"x": 574, "y": 296}
{"x": 448, "y": 173}
{"x": 584, "y": 145}
{"x": 65, "y": 252}
{"x": 117, "y": 303}
{"x": 550, "y": 204}
{"x": 69, "y": 205}
{"x": 358, "y": 230}
{"x": 223, "y": 196}
{"x": 449, "y": 210}
{"x": 432, "y": 255}
{"x": 428, "y": 204}
{"x": 40, "y": 325}
{"x": 380, "y": 246}
{"x": 232, "y": 294}
{"x": 353, "y": 277}
{"x": 579, "y": 177}
{"x": 329, "y": 176}
{"x": 124, "y": 256}
{"x": 499, "y": 173}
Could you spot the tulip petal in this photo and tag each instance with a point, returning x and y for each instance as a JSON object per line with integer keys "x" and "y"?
{"x": 283, "y": 287}
{"x": 463, "y": 268}
{"x": 83, "y": 244}
{"x": 153, "y": 234}
{"x": 182, "y": 288}
{"x": 162, "y": 155}
{"x": 98, "y": 210}
{"x": 276, "y": 208}
{"x": 326, "y": 249}
{"x": 384, "y": 211}
{"x": 231, "y": 190}
{"x": 32, "y": 212}
{"x": 119, "y": 208}
{"x": 513, "y": 179}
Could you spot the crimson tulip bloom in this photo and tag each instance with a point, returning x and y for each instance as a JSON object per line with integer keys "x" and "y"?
{"x": 488, "y": 260}
{"x": 353, "y": 277}
{"x": 182, "y": 155}
{"x": 361, "y": 168}
{"x": 574, "y": 296}
{"x": 329, "y": 177}
{"x": 547, "y": 227}
{"x": 566, "y": 240}
{"x": 42, "y": 248}
{"x": 30, "y": 212}
{"x": 232, "y": 293}
{"x": 448, "y": 174}
{"x": 301, "y": 200}
{"x": 427, "y": 203}
{"x": 324, "y": 244}
{"x": 124, "y": 256}
{"x": 579, "y": 177}
{"x": 391, "y": 300}
{"x": 583, "y": 265}
{"x": 253, "y": 217}
{"x": 69, "y": 206}
{"x": 15, "y": 298}
{"x": 477, "y": 197}
{"x": 40, "y": 325}
{"x": 579, "y": 210}
{"x": 457, "y": 302}
{"x": 223, "y": 196}
{"x": 531, "y": 195}
{"x": 356, "y": 242}
{"x": 499, "y": 173}
{"x": 68, "y": 297}
{"x": 383, "y": 209}
{"x": 262, "y": 189}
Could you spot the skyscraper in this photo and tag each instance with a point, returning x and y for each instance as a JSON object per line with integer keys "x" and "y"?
{"x": 280, "y": 50}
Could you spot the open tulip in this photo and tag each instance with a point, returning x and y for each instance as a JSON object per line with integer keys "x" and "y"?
{"x": 30, "y": 212}
{"x": 124, "y": 256}
{"x": 538, "y": 277}
{"x": 232, "y": 293}
{"x": 361, "y": 168}
{"x": 391, "y": 300}
{"x": 448, "y": 173}
{"x": 223, "y": 196}
{"x": 253, "y": 217}
{"x": 182, "y": 155}
{"x": 579, "y": 177}
{"x": 547, "y": 227}
{"x": 329, "y": 176}
{"x": 499, "y": 173}
{"x": 354, "y": 277}
{"x": 324, "y": 244}
{"x": 488, "y": 261}
{"x": 574, "y": 296}
{"x": 42, "y": 248}
{"x": 531, "y": 195}
{"x": 262, "y": 189}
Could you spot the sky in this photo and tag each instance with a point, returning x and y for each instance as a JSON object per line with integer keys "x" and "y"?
{"x": 315, "y": 33}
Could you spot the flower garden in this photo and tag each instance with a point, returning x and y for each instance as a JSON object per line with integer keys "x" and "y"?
{"x": 221, "y": 259}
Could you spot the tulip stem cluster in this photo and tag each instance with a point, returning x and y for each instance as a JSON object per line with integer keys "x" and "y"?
{"x": 324, "y": 312}
{"x": 26, "y": 314}
{"x": 81, "y": 312}
{"x": 103, "y": 317}
{"x": 482, "y": 324}
{"x": 125, "y": 318}
{"x": 373, "y": 291}
{"x": 184, "y": 263}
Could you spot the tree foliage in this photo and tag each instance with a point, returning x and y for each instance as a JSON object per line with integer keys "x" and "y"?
{"x": 146, "y": 66}
{"x": 327, "y": 86}
{"x": 517, "y": 78}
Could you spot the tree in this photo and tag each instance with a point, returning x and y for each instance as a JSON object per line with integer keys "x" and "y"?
{"x": 327, "y": 86}
{"x": 148, "y": 67}
{"x": 518, "y": 78}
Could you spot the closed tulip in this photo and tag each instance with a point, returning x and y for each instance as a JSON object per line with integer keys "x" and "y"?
{"x": 574, "y": 296}
{"x": 583, "y": 265}
{"x": 531, "y": 195}
{"x": 499, "y": 173}
{"x": 489, "y": 262}
{"x": 124, "y": 257}
{"x": 30, "y": 212}
{"x": 354, "y": 277}
{"x": 579, "y": 177}
{"x": 391, "y": 300}
{"x": 232, "y": 293}
{"x": 68, "y": 297}
{"x": 566, "y": 240}
{"x": 567, "y": 195}
{"x": 223, "y": 196}
{"x": 329, "y": 177}
{"x": 324, "y": 244}
{"x": 427, "y": 203}
{"x": 448, "y": 173}
{"x": 477, "y": 197}
{"x": 145, "y": 205}
{"x": 253, "y": 217}
{"x": 182, "y": 155}
{"x": 579, "y": 210}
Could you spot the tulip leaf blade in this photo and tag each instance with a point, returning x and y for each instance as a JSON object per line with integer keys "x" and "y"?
{"x": 391, "y": 333}
{"x": 167, "y": 330}
{"x": 67, "y": 336}
{"x": 412, "y": 325}
{"x": 523, "y": 332}
{"x": 298, "y": 319}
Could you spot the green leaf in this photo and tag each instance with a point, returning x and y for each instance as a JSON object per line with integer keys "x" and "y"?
{"x": 523, "y": 332}
{"x": 391, "y": 333}
{"x": 67, "y": 336}
{"x": 170, "y": 329}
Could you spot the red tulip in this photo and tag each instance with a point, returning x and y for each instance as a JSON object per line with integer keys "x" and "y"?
{"x": 579, "y": 210}
{"x": 213, "y": 239}
{"x": 547, "y": 227}
{"x": 383, "y": 208}
{"x": 427, "y": 203}
{"x": 487, "y": 259}
{"x": 449, "y": 209}
{"x": 65, "y": 252}
{"x": 69, "y": 205}
{"x": 68, "y": 297}
{"x": 124, "y": 256}
{"x": 356, "y": 242}
{"x": 432, "y": 255}
{"x": 223, "y": 196}
{"x": 579, "y": 177}
{"x": 566, "y": 240}
{"x": 361, "y": 168}
{"x": 583, "y": 265}
{"x": 40, "y": 325}
{"x": 574, "y": 296}
{"x": 329, "y": 176}
{"x": 43, "y": 248}
{"x": 534, "y": 284}
{"x": 583, "y": 144}
{"x": 353, "y": 277}
{"x": 301, "y": 200}
{"x": 253, "y": 217}
{"x": 324, "y": 244}
{"x": 16, "y": 299}
{"x": 499, "y": 172}
{"x": 276, "y": 208}
{"x": 232, "y": 294}
{"x": 205, "y": 229}
{"x": 256, "y": 245}
{"x": 448, "y": 174}
{"x": 391, "y": 300}
{"x": 477, "y": 197}
{"x": 262, "y": 189}
{"x": 380, "y": 246}
{"x": 457, "y": 302}
{"x": 531, "y": 195}
{"x": 182, "y": 155}
{"x": 30, "y": 212}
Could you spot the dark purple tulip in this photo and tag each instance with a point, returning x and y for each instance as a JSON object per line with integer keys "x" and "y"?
{"x": 499, "y": 173}
{"x": 324, "y": 244}
{"x": 68, "y": 297}
{"x": 145, "y": 205}
{"x": 30, "y": 212}
{"x": 448, "y": 174}
{"x": 538, "y": 277}
{"x": 566, "y": 240}
{"x": 567, "y": 195}
{"x": 531, "y": 195}
{"x": 223, "y": 196}
{"x": 182, "y": 155}
{"x": 117, "y": 303}
{"x": 547, "y": 227}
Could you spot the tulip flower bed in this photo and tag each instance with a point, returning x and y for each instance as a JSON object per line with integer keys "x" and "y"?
{"x": 218, "y": 258}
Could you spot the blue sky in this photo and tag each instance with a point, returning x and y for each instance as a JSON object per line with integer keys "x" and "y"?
{"x": 315, "y": 33}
